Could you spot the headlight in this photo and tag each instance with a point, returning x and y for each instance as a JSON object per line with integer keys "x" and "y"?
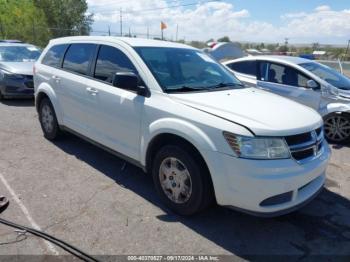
{"x": 257, "y": 148}
{"x": 8, "y": 75}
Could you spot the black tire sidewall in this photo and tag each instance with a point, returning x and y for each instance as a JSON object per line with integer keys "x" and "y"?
{"x": 55, "y": 131}
{"x": 197, "y": 173}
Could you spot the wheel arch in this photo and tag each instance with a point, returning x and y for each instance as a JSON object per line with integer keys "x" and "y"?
{"x": 173, "y": 129}
{"x": 46, "y": 91}
{"x": 163, "y": 139}
{"x": 338, "y": 108}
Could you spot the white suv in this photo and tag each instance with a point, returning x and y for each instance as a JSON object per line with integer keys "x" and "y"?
{"x": 184, "y": 118}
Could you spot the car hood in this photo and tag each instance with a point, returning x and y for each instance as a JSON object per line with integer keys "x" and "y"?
{"x": 263, "y": 113}
{"x": 22, "y": 68}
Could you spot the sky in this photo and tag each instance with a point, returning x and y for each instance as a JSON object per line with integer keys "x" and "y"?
{"x": 268, "y": 21}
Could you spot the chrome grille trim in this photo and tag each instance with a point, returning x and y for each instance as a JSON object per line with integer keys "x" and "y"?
{"x": 308, "y": 148}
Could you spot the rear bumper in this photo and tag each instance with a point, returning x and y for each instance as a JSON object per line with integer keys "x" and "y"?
{"x": 266, "y": 187}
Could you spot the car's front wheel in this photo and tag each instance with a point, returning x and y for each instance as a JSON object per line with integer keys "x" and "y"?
{"x": 337, "y": 127}
{"x": 182, "y": 180}
{"x": 48, "y": 120}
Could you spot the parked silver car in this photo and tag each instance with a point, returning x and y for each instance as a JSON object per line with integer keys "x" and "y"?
{"x": 304, "y": 81}
{"x": 16, "y": 69}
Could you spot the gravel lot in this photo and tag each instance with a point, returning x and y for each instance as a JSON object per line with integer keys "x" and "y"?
{"x": 82, "y": 194}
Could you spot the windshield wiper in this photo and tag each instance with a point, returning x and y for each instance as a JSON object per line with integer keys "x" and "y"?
{"x": 222, "y": 85}
{"x": 206, "y": 88}
{"x": 185, "y": 89}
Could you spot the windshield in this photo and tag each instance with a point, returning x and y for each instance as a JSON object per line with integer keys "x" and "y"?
{"x": 328, "y": 74}
{"x": 184, "y": 70}
{"x": 19, "y": 53}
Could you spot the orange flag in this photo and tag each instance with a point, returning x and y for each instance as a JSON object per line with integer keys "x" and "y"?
{"x": 163, "y": 26}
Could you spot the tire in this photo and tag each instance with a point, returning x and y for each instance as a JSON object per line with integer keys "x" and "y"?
{"x": 48, "y": 120}
{"x": 337, "y": 127}
{"x": 183, "y": 166}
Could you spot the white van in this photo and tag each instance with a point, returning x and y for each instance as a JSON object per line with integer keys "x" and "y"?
{"x": 184, "y": 118}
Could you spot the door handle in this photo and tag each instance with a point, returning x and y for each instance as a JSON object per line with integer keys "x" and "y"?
{"x": 92, "y": 91}
{"x": 56, "y": 78}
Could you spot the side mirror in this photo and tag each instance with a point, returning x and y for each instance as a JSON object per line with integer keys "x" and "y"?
{"x": 126, "y": 80}
{"x": 130, "y": 81}
{"x": 312, "y": 84}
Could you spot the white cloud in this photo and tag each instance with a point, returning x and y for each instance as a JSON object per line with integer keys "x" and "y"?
{"x": 322, "y": 23}
{"x": 216, "y": 19}
{"x": 322, "y": 8}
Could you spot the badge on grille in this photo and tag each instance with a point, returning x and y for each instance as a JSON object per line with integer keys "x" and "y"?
{"x": 314, "y": 135}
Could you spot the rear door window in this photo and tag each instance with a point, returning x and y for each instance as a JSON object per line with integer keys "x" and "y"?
{"x": 78, "y": 58}
{"x": 244, "y": 67}
{"x": 54, "y": 55}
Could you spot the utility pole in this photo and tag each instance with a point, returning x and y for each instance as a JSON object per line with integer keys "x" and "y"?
{"x": 177, "y": 31}
{"x": 347, "y": 49}
{"x": 286, "y": 41}
{"x": 109, "y": 30}
{"x": 147, "y": 32}
{"x": 121, "y": 22}
{"x": 129, "y": 32}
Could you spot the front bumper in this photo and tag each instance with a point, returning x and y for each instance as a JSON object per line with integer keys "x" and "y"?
{"x": 266, "y": 187}
{"x": 17, "y": 88}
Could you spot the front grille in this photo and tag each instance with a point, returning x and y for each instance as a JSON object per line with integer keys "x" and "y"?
{"x": 306, "y": 146}
{"x": 298, "y": 139}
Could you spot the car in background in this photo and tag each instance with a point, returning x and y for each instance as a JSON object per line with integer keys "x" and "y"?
{"x": 184, "y": 118}
{"x": 307, "y": 82}
{"x": 16, "y": 69}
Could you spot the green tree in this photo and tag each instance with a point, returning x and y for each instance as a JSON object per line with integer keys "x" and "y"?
{"x": 315, "y": 46}
{"x": 66, "y": 17}
{"x": 283, "y": 48}
{"x": 20, "y": 19}
{"x": 198, "y": 44}
{"x": 271, "y": 47}
{"x": 224, "y": 39}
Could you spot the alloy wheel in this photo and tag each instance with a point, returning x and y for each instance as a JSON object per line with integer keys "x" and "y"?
{"x": 337, "y": 128}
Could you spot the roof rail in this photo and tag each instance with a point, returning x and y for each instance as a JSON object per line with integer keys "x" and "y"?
{"x": 14, "y": 41}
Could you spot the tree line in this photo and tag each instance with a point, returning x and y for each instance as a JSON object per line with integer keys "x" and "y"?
{"x": 38, "y": 21}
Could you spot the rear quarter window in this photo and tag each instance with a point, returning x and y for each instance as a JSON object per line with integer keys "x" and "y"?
{"x": 244, "y": 67}
{"x": 54, "y": 55}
